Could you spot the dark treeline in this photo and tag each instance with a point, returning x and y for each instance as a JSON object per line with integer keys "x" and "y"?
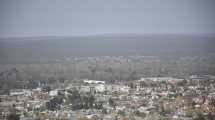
{"x": 110, "y": 69}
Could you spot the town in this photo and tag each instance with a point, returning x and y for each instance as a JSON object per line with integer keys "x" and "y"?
{"x": 149, "y": 98}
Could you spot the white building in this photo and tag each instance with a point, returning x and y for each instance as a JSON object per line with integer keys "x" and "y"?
{"x": 20, "y": 92}
{"x": 85, "y": 89}
{"x": 94, "y": 82}
{"x": 53, "y": 93}
{"x": 100, "y": 88}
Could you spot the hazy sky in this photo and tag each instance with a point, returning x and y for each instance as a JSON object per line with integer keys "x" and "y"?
{"x": 84, "y": 17}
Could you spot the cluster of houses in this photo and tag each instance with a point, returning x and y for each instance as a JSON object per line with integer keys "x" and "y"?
{"x": 145, "y": 99}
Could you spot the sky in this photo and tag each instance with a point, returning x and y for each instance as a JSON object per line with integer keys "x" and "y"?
{"x": 92, "y": 17}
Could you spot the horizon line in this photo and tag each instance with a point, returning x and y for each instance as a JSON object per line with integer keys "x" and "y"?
{"x": 109, "y": 35}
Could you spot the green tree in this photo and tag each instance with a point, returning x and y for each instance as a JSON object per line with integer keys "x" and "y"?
{"x": 13, "y": 116}
{"x": 112, "y": 103}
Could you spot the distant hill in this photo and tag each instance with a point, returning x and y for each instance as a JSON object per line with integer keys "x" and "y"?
{"x": 34, "y": 48}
